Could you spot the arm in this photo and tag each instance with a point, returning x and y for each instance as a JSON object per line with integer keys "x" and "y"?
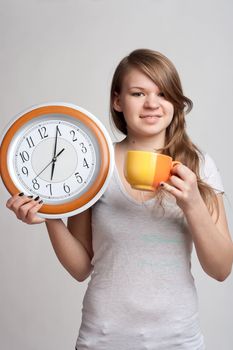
{"x": 80, "y": 227}
{"x": 73, "y": 248}
{"x": 70, "y": 246}
{"x": 212, "y": 240}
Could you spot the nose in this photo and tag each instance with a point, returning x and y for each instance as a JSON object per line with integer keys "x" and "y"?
{"x": 152, "y": 101}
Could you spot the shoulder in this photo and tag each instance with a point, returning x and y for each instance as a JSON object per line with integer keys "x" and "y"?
{"x": 209, "y": 172}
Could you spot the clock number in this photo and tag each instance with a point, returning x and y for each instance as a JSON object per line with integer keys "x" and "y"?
{"x": 85, "y": 163}
{"x": 36, "y": 186}
{"x": 24, "y": 156}
{"x": 79, "y": 178}
{"x": 42, "y": 131}
{"x": 50, "y": 188}
{"x": 25, "y": 170}
{"x": 30, "y": 142}
{"x": 74, "y": 138}
{"x": 66, "y": 188}
{"x": 83, "y": 149}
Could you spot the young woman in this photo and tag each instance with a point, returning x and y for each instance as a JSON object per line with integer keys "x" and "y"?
{"x": 137, "y": 245}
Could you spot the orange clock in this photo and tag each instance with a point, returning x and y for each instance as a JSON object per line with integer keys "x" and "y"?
{"x": 60, "y": 152}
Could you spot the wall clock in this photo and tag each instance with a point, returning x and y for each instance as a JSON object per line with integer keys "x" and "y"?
{"x": 60, "y": 152}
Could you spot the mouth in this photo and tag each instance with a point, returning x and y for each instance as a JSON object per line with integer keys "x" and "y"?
{"x": 149, "y": 116}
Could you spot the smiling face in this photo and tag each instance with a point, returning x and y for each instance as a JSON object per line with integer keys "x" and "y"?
{"x": 147, "y": 113}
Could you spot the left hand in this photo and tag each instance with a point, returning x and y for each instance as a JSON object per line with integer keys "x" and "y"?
{"x": 183, "y": 186}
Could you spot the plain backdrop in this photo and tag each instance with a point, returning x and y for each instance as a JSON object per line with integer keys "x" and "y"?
{"x": 67, "y": 50}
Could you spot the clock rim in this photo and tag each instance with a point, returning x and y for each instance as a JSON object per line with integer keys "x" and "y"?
{"x": 103, "y": 140}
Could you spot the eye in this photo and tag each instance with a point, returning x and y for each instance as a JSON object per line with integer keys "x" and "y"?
{"x": 161, "y": 94}
{"x": 137, "y": 94}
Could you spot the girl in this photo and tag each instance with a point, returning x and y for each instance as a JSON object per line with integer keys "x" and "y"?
{"x": 137, "y": 245}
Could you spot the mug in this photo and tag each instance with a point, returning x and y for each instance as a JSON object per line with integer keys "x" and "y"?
{"x": 145, "y": 170}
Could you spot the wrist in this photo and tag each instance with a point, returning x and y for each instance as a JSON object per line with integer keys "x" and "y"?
{"x": 195, "y": 206}
{"x": 52, "y": 221}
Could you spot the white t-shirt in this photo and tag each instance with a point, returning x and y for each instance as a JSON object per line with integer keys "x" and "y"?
{"x": 141, "y": 294}
{"x": 210, "y": 173}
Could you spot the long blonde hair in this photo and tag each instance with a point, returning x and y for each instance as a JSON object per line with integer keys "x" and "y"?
{"x": 178, "y": 145}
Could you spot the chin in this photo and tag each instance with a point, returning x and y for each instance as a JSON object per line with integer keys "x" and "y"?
{"x": 150, "y": 132}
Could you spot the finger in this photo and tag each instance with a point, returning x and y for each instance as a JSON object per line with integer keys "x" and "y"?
{"x": 171, "y": 189}
{"x": 182, "y": 171}
{"x": 13, "y": 198}
{"x": 31, "y": 217}
{"x": 16, "y": 201}
{"x": 178, "y": 183}
{"x": 23, "y": 210}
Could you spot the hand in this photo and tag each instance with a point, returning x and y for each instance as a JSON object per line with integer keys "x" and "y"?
{"x": 54, "y": 154}
{"x": 25, "y": 209}
{"x": 183, "y": 186}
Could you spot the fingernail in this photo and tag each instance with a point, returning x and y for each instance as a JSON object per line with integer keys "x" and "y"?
{"x": 161, "y": 184}
{"x": 21, "y": 194}
{"x": 40, "y": 202}
{"x": 36, "y": 199}
{"x": 30, "y": 196}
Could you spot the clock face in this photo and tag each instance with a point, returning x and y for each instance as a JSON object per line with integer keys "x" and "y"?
{"x": 61, "y": 153}
{"x": 54, "y": 176}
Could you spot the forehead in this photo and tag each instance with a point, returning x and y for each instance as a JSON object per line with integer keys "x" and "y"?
{"x": 136, "y": 78}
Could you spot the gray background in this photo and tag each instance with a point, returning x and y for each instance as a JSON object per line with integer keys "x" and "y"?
{"x": 67, "y": 50}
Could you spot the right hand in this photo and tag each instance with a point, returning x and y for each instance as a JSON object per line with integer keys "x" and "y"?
{"x": 25, "y": 209}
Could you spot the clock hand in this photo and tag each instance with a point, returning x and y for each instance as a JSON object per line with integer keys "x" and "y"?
{"x": 63, "y": 149}
{"x": 50, "y": 163}
{"x": 54, "y": 153}
{"x": 53, "y": 166}
{"x": 54, "y": 160}
{"x": 55, "y": 147}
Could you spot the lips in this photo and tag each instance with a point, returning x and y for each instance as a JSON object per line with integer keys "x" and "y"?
{"x": 150, "y": 116}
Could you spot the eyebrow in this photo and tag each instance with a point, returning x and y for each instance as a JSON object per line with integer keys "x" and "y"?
{"x": 137, "y": 87}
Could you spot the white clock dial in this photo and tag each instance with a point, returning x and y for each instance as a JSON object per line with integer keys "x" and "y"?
{"x": 74, "y": 161}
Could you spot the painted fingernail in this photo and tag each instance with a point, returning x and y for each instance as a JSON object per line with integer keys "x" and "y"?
{"x": 21, "y": 194}
{"x": 40, "y": 202}
{"x": 36, "y": 199}
{"x": 30, "y": 196}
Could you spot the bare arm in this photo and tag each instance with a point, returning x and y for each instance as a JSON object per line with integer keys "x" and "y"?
{"x": 212, "y": 240}
{"x": 71, "y": 251}
{"x": 80, "y": 228}
{"x": 73, "y": 247}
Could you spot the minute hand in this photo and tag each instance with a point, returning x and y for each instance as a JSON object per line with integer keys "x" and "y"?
{"x": 49, "y": 163}
{"x": 54, "y": 154}
{"x": 55, "y": 146}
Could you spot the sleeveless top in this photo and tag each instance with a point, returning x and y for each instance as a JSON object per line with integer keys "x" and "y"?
{"x": 141, "y": 294}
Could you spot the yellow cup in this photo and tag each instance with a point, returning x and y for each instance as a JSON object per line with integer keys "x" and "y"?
{"x": 145, "y": 170}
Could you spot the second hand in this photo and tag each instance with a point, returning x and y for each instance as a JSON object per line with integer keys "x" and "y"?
{"x": 49, "y": 163}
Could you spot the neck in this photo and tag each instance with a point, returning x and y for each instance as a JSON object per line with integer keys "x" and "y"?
{"x": 152, "y": 143}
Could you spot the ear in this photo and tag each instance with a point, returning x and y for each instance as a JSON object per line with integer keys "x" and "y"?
{"x": 117, "y": 102}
